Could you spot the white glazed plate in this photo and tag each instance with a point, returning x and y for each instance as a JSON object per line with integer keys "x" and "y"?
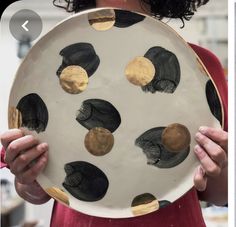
{"x": 126, "y": 170}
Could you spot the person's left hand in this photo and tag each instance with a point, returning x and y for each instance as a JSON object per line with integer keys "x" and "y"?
{"x": 211, "y": 150}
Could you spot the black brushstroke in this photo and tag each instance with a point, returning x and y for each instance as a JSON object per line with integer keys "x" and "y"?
{"x": 157, "y": 155}
{"x": 98, "y": 113}
{"x": 34, "y": 112}
{"x": 85, "y": 181}
{"x": 126, "y": 19}
{"x": 80, "y": 54}
{"x": 213, "y": 101}
{"x": 164, "y": 203}
{"x": 167, "y": 76}
{"x": 143, "y": 199}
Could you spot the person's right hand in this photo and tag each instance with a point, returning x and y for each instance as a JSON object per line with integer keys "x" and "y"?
{"x": 26, "y": 158}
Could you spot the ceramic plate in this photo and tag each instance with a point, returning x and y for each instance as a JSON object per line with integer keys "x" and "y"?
{"x": 118, "y": 96}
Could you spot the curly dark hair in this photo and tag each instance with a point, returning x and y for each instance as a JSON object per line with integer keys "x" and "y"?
{"x": 182, "y": 9}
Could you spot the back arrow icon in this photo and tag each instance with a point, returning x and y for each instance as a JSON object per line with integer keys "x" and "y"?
{"x": 24, "y": 26}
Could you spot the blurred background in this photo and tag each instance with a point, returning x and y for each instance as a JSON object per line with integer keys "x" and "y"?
{"x": 208, "y": 28}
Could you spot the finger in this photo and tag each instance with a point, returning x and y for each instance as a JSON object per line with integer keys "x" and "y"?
{"x": 29, "y": 156}
{"x": 9, "y": 136}
{"x": 215, "y": 151}
{"x": 210, "y": 167}
{"x": 19, "y": 145}
{"x": 30, "y": 175}
{"x": 200, "y": 179}
{"x": 217, "y": 135}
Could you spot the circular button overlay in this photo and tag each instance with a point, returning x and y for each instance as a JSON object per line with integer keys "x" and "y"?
{"x": 25, "y": 23}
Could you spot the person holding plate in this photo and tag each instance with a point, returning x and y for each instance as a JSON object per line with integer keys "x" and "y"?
{"x": 27, "y": 157}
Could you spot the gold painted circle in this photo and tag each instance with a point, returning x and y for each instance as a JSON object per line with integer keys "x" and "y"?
{"x": 58, "y": 194}
{"x": 144, "y": 204}
{"x": 74, "y": 79}
{"x": 14, "y": 118}
{"x": 176, "y": 138}
{"x": 99, "y": 141}
{"x": 140, "y": 71}
{"x": 102, "y": 20}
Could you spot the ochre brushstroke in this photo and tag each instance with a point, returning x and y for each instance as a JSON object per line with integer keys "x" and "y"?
{"x": 176, "y": 137}
{"x": 58, "y": 194}
{"x": 14, "y": 118}
{"x": 102, "y": 20}
{"x": 157, "y": 155}
{"x": 79, "y": 54}
{"x": 99, "y": 141}
{"x": 74, "y": 79}
{"x": 140, "y": 71}
{"x": 167, "y": 68}
{"x": 144, "y": 204}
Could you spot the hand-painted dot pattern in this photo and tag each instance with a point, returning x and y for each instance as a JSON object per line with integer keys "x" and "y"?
{"x": 144, "y": 204}
{"x": 97, "y": 123}
{"x": 157, "y": 155}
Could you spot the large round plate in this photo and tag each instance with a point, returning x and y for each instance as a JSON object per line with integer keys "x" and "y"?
{"x": 139, "y": 174}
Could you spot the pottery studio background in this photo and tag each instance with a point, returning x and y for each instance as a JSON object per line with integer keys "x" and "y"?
{"x": 208, "y": 28}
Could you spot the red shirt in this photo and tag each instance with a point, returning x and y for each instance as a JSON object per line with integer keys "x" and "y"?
{"x": 185, "y": 212}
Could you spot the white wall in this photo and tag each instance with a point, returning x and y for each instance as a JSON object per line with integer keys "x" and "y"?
{"x": 208, "y": 28}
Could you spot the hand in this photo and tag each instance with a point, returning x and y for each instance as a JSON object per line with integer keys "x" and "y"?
{"x": 26, "y": 158}
{"x": 211, "y": 151}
